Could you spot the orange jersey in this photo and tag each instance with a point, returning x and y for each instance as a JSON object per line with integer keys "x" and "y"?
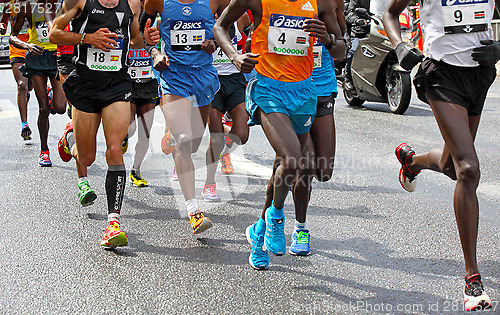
{"x": 17, "y": 52}
{"x": 285, "y": 48}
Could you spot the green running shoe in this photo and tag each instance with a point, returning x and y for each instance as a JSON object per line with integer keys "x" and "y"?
{"x": 86, "y": 194}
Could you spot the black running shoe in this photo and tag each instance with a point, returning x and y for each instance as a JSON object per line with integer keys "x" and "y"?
{"x": 475, "y": 299}
{"x": 407, "y": 178}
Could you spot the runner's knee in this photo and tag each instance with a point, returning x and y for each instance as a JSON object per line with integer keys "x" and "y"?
{"x": 86, "y": 159}
{"x": 184, "y": 144}
{"x": 468, "y": 172}
{"x": 22, "y": 86}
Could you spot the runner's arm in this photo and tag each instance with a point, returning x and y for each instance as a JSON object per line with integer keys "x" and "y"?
{"x": 390, "y": 20}
{"x": 233, "y": 12}
{"x": 102, "y": 38}
{"x": 16, "y": 28}
{"x": 328, "y": 15}
{"x": 136, "y": 39}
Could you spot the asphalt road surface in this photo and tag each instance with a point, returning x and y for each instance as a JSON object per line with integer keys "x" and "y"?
{"x": 375, "y": 247}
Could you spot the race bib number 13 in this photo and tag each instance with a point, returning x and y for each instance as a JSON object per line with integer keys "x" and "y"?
{"x": 461, "y": 16}
{"x": 286, "y": 35}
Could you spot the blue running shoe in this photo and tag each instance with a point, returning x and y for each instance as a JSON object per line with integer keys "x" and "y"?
{"x": 300, "y": 243}
{"x": 275, "y": 234}
{"x": 259, "y": 258}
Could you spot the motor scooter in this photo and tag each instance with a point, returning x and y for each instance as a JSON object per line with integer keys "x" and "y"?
{"x": 376, "y": 73}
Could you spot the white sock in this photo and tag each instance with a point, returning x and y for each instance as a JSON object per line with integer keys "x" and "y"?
{"x": 113, "y": 217}
{"x": 82, "y": 179}
{"x": 192, "y": 206}
{"x": 301, "y": 226}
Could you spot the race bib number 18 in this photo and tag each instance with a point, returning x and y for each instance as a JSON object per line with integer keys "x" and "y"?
{"x": 460, "y": 16}
{"x": 286, "y": 35}
{"x": 98, "y": 59}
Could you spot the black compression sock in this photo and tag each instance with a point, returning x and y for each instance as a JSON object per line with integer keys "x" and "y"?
{"x": 115, "y": 187}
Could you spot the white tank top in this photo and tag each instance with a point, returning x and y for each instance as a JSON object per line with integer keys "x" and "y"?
{"x": 221, "y": 61}
{"x": 453, "y": 28}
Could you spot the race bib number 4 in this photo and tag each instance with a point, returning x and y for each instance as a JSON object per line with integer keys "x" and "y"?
{"x": 42, "y": 31}
{"x": 465, "y": 16}
{"x": 220, "y": 57}
{"x": 100, "y": 60}
{"x": 286, "y": 35}
{"x": 186, "y": 36}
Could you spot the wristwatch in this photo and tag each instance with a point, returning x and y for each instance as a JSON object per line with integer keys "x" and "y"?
{"x": 334, "y": 41}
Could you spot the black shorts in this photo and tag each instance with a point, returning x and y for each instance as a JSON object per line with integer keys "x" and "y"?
{"x": 14, "y": 60}
{"x": 65, "y": 64}
{"x": 44, "y": 64}
{"x": 145, "y": 92}
{"x": 91, "y": 95}
{"x": 231, "y": 92}
{"x": 325, "y": 105}
{"x": 464, "y": 86}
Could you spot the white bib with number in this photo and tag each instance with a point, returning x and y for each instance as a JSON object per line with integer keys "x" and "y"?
{"x": 100, "y": 60}
{"x": 286, "y": 35}
{"x": 461, "y": 16}
{"x": 42, "y": 31}
{"x": 187, "y": 37}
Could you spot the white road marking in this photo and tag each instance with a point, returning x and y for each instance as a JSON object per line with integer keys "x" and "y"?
{"x": 489, "y": 188}
{"x": 7, "y": 109}
{"x": 245, "y": 165}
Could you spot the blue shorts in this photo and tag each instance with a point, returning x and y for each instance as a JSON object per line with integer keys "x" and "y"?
{"x": 295, "y": 99}
{"x": 199, "y": 85}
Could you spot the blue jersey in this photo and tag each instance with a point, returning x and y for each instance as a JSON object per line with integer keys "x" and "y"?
{"x": 323, "y": 74}
{"x": 183, "y": 28}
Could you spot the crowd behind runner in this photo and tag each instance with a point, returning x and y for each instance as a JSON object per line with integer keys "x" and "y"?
{"x": 198, "y": 80}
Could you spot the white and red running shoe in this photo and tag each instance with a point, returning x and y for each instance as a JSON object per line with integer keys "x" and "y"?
{"x": 407, "y": 178}
{"x": 475, "y": 299}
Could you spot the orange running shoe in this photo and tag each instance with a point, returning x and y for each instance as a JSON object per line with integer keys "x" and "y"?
{"x": 167, "y": 142}
{"x": 199, "y": 222}
{"x": 226, "y": 167}
{"x": 113, "y": 236}
{"x": 62, "y": 145}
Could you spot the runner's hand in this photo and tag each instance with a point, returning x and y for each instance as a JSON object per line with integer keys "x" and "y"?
{"x": 161, "y": 62}
{"x": 487, "y": 55}
{"x": 208, "y": 46}
{"x": 151, "y": 34}
{"x": 245, "y": 63}
{"x": 317, "y": 28}
{"x": 35, "y": 49}
{"x": 102, "y": 39}
{"x": 408, "y": 57}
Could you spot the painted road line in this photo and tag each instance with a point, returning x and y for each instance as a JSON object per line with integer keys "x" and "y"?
{"x": 245, "y": 165}
{"x": 7, "y": 109}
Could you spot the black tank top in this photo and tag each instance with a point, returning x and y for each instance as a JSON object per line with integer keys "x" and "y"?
{"x": 95, "y": 16}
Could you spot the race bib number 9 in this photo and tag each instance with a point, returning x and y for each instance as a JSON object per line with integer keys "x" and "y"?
{"x": 100, "y": 60}
{"x": 465, "y": 16}
{"x": 317, "y": 53}
{"x": 42, "y": 31}
{"x": 286, "y": 35}
{"x": 186, "y": 36}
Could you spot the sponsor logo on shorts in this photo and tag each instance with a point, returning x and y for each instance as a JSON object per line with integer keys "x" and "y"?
{"x": 308, "y": 122}
{"x": 127, "y": 95}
